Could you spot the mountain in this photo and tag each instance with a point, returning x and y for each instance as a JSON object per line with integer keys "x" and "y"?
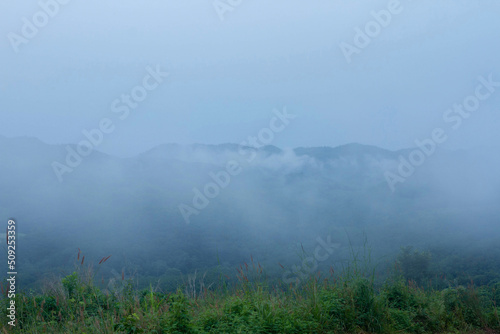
{"x": 188, "y": 206}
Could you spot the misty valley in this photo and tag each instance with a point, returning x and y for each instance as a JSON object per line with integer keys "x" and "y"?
{"x": 195, "y": 216}
{"x": 260, "y": 167}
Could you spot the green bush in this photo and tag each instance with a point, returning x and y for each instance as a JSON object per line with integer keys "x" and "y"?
{"x": 179, "y": 319}
{"x": 350, "y": 304}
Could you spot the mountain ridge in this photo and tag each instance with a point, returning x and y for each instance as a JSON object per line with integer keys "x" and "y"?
{"x": 350, "y": 147}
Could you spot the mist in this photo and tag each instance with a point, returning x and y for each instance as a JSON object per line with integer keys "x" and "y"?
{"x": 192, "y": 137}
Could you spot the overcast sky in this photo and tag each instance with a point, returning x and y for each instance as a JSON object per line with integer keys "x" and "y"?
{"x": 226, "y": 76}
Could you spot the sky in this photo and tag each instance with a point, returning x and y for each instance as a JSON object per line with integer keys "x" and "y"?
{"x": 232, "y": 63}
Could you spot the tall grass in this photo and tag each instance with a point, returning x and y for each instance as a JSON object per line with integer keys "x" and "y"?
{"x": 346, "y": 302}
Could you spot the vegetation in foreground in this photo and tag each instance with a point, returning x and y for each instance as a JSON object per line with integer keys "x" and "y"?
{"x": 346, "y": 303}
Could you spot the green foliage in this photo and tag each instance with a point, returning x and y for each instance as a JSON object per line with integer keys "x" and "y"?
{"x": 350, "y": 303}
{"x": 179, "y": 319}
{"x": 129, "y": 324}
{"x": 399, "y": 296}
{"x": 70, "y": 284}
{"x": 464, "y": 304}
{"x": 414, "y": 264}
{"x": 496, "y": 293}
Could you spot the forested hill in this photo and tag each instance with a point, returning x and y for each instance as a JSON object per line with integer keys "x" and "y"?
{"x": 175, "y": 209}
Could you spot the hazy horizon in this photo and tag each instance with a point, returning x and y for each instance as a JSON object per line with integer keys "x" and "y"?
{"x": 177, "y": 138}
{"x": 226, "y": 76}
